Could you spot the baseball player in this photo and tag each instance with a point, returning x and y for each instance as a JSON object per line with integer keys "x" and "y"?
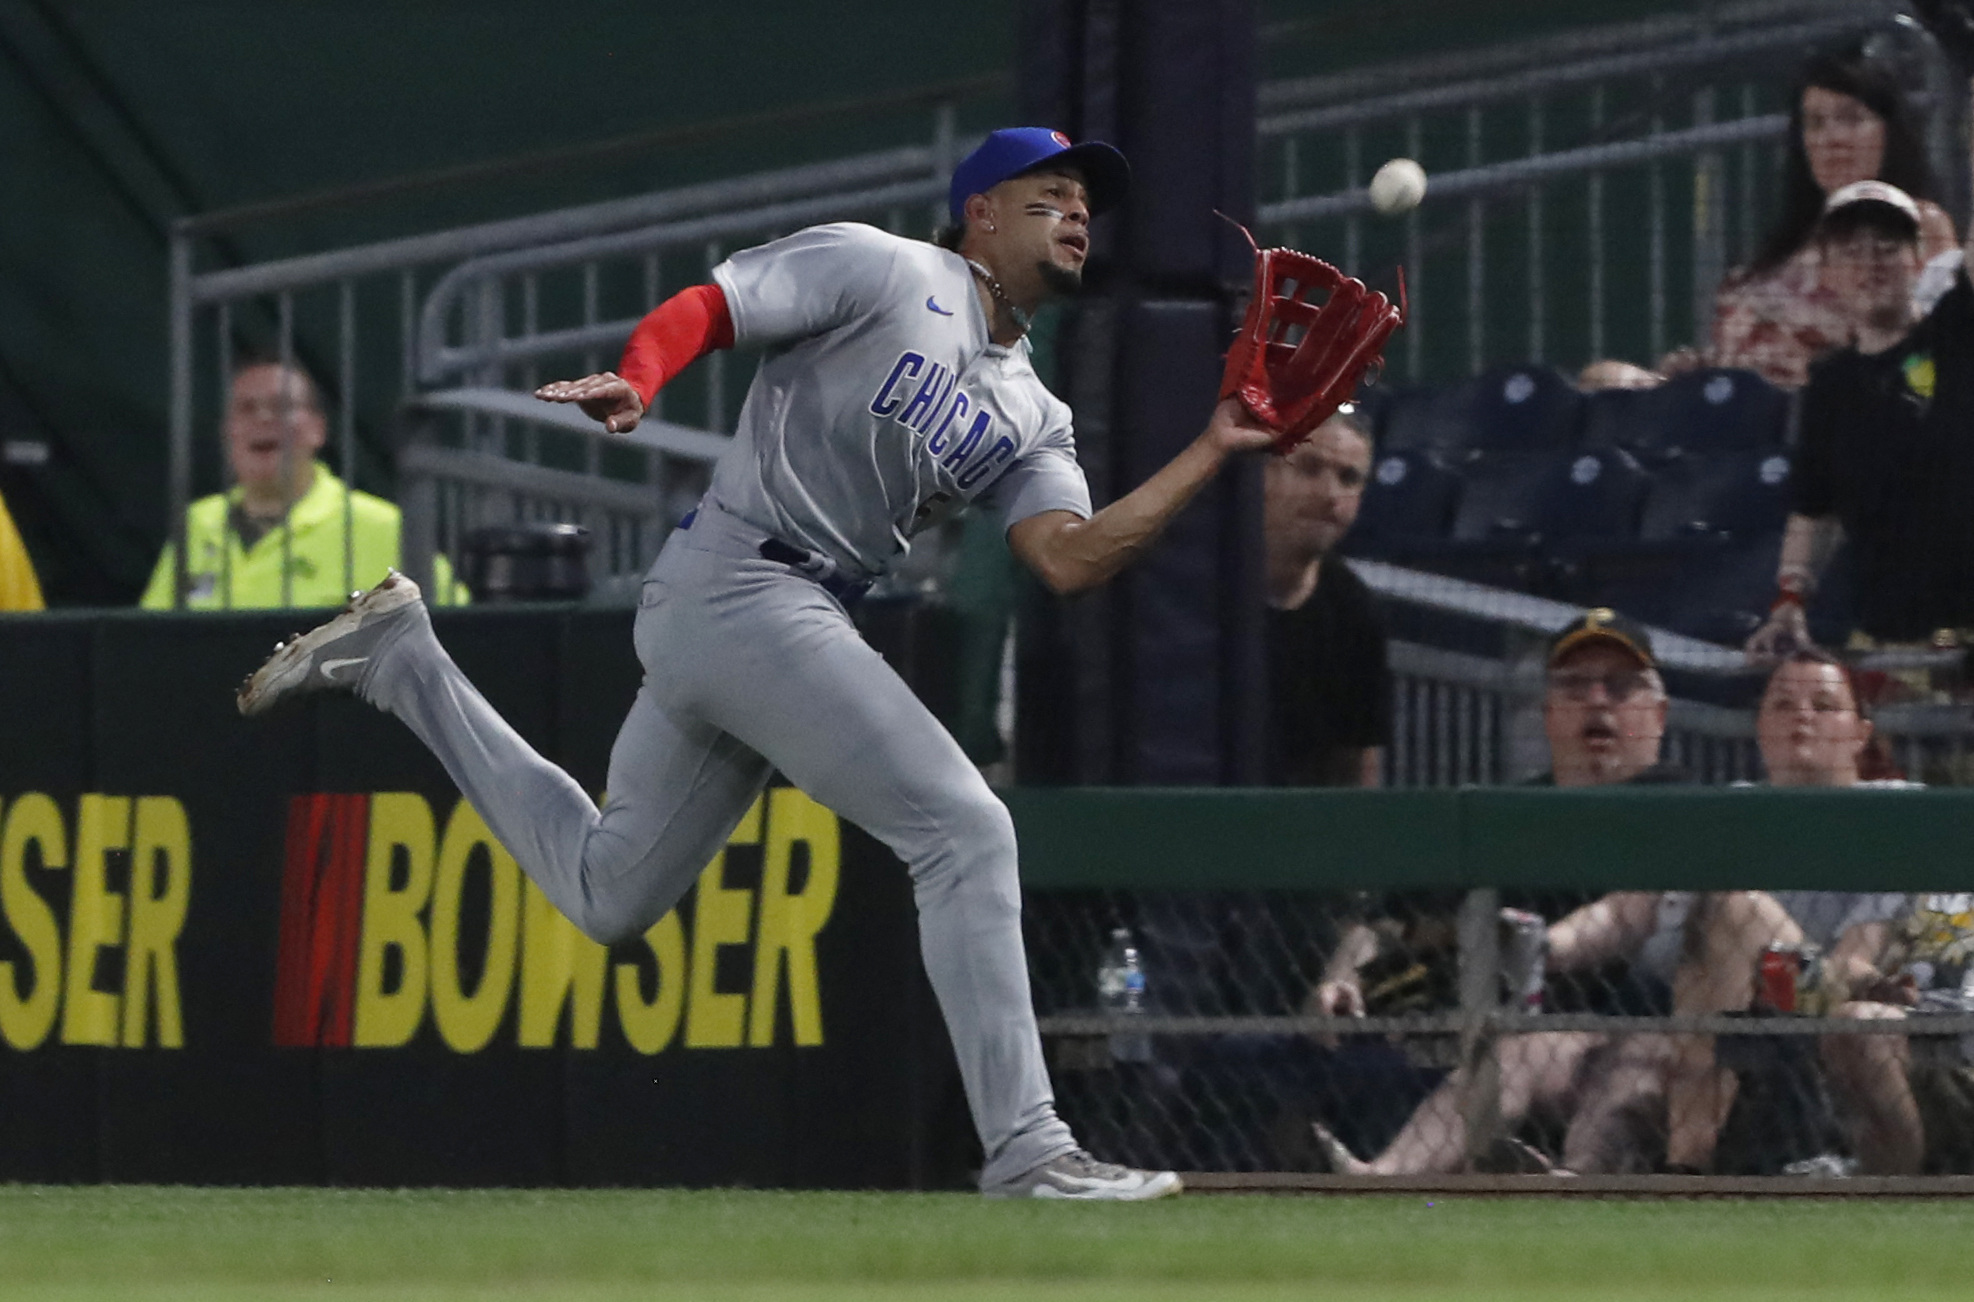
{"x": 895, "y": 388}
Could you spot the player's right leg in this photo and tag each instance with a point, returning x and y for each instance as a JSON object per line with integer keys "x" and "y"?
{"x": 677, "y": 785}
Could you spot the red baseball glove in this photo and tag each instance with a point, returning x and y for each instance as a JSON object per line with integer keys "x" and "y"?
{"x": 1294, "y": 361}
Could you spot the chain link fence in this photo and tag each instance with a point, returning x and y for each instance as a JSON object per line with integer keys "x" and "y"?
{"x": 1426, "y": 1033}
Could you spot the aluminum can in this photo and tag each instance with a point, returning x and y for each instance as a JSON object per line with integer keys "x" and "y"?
{"x": 1524, "y": 959}
{"x": 1781, "y": 969}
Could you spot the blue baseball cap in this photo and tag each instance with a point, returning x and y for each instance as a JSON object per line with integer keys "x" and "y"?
{"x": 1013, "y": 150}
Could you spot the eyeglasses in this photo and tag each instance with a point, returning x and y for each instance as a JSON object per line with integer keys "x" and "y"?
{"x": 1619, "y": 686}
{"x": 1873, "y": 248}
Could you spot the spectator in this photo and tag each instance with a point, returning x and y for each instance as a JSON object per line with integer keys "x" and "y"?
{"x": 1609, "y": 373}
{"x": 1604, "y": 713}
{"x": 1327, "y": 657}
{"x": 1776, "y": 315}
{"x": 1812, "y": 733}
{"x": 1885, "y": 459}
{"x": 1901, "y": 1116}
{"x": 19, "y": 590}
{"x": 286, "y": 512}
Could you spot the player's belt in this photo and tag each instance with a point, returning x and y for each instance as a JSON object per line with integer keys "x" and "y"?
{"x": 813, "y": 566}
{"x": 727, "y": 534}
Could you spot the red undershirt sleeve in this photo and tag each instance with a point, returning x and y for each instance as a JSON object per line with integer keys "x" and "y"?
{"x": 676, "y": 333}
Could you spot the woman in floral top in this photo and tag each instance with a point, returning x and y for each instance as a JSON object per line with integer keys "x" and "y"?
{"x": 1851, "y": 124}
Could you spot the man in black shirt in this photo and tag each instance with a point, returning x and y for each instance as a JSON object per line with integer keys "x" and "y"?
{"x": 1330, "y": 683}
{"x": 1887, "y": 454}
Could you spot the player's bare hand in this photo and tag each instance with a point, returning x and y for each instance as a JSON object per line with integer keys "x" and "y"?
{"x": 1785, "y": 630}
{"x": 606, "y": 397}
{"x": 1234, "y": 429}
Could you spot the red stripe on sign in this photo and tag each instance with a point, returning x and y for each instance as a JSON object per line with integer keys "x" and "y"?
{"x": 321, "y": 919}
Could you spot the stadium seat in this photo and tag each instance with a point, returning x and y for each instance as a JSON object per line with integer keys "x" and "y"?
{"x": 1503, "y": 495}
{"x": 1737, "y": 493}
{"x": 1729, "y": 597}
{"x": 1703, "y": 559}
{"x": 1598, "y": 497}
{"x": 1372, "y": 404}
{"x": 1706, "y": 410}
{"x": 1411, "y": 497}
{"x": 1512, "y": 408}
{"x": 1522, "y": 515}
{"x": 1711, "y": 587}
{"x": 1496, "y": 536}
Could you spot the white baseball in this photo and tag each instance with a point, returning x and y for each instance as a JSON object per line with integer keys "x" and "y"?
{"x": 1398, "y": 187}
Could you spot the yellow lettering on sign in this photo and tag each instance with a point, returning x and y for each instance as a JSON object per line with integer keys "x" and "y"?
{"x": 720, "y": 916}
{"x": 468, "y": 1021}
{"x": 789, "y": 923}
{"x": 102, "y": 825}
{"x": 399, "y": 821}
{"x": 649, "y": 1028}
{"x": 27, "y": 1015}
{"x": 160, "y": 894}
{"x": 559, "y": 965}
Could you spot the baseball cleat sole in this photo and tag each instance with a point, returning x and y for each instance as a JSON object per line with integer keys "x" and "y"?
{"x": 332, "y": 655}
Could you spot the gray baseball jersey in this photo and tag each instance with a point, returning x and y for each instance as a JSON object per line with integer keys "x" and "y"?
{"x": 881, "y": 406}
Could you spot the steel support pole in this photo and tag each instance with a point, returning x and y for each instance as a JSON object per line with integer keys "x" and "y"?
{"x": 180, "y": 473}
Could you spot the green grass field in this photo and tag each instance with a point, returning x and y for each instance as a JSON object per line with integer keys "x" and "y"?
{"x": 75, "y": 1243}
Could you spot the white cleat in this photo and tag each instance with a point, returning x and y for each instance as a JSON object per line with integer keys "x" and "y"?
{"x": 1077, "y": 1175}
{"x": 331, "y": 656}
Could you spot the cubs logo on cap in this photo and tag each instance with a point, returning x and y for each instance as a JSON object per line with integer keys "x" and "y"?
{"x": 1011, "y": 151}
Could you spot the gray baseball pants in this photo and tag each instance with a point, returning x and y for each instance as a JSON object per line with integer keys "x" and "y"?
{"x": 750, "y": 667}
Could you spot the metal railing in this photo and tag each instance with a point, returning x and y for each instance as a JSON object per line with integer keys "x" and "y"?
{"x": 487, "y": 308}
{"x": 448, "y": 330}
{"x": 500, "y": 305}
{"x": 1460, "y": 718}
{"x": 447, "y": 489}
{"x": 492, "y": 322}
{"x": 1587, "y": 191}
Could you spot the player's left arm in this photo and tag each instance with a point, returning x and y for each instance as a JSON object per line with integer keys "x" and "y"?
{"x": 1071, "y": 554}
{"x": 675, "y": 334}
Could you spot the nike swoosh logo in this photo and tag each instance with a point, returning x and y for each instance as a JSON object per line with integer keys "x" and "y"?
{"x": 935, "y": 307}
{"x": 329, "y": 667}
{"x": 1078, "y": 1182}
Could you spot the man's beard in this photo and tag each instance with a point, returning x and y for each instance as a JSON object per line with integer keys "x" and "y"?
{"x": 1060, "y": 281}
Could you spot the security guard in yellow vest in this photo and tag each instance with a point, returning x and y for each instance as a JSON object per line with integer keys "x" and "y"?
{"x": 237, "y": 555}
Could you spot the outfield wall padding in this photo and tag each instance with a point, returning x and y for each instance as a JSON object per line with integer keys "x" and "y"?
{"x": 284, "y": 951}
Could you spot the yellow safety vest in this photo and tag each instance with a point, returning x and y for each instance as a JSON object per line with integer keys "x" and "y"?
{"x": 19, "y": 589}
{"x": 222, "y": 575}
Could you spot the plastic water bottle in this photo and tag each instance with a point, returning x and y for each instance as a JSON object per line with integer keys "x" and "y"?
{"x": 1121, "y": 993}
